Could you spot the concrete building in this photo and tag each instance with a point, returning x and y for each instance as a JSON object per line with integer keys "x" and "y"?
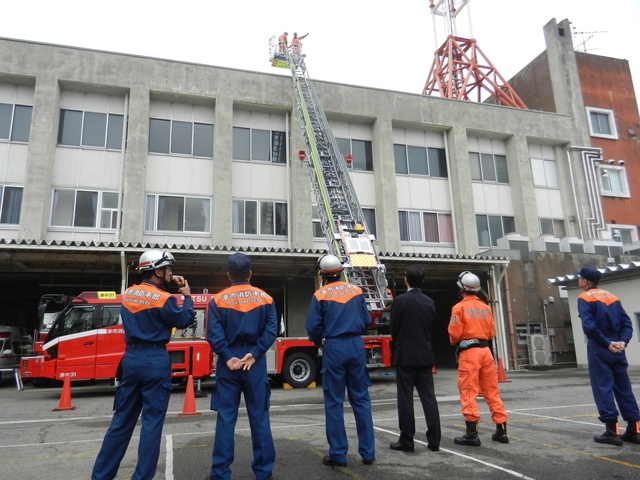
{"x": 203, "y": 160}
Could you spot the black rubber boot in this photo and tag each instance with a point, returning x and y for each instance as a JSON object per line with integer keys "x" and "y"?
{"x": 471, "y": 437}
{"x": 501, "y": 433}
{"x": 610, "y": 435}
{"x": 632, "y": 435}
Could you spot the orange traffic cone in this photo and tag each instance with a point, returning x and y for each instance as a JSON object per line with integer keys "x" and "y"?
{"x": 433, "y": 370}
{"x": 65, "y": 396}
{"x": 189, "y": 407}
{"x": 502, "y": 378}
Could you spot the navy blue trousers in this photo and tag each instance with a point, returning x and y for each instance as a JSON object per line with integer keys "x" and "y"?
{"x": 609, "y": 381}
{"x": 145, "y": 387}
{"x": 253, "y": 384}
{"x": 344, "y": 366}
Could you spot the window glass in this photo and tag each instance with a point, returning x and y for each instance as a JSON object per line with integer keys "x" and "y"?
{"x": 502, "y": 175}
{"x": 600, "y": 123}
{"x": 95, "y": 128}
{"x": 558, "y": 228}
{"x": 110, "y": 316}
{"x": 241, "y": 143}
{"x": 170, "y": 213}
{"x": 86, "y": 206}
{"x": 11, "y": 203}
{"x": 344, "y": 145}
{"x": 431, "y": 227}
{"x": 159, "y": 136}
{"x": 278, "y": 147}
{"x": 317, "y": 226}
{"x": 551, "y": 174}
{"x": 403, "y": 221}
{"x": 21, "y": 124}
{"x": 482, "y": 225}
{"x": 260, "y": 147}
{"x": 476, "y": 171}
{"x": 203, "y": 140}
{"x": 150, "y": 214}
{"x": 508, "y": 225}
{"x": 400, "y": 158}
{"x": 362, "y": 155}
{"x": 538, "y": 172}
{"x": 445, "y": 224}
{"x": 6, "y": 112}
{"x": 62, "y": 211}
{"x": 488, "y": 167}
{"x": 197, "y": 215}
{"x": 237, "y": 216}
{"x": 114, "y": 132}
{"x": 251, "y": 218}
{"x": 281, "y": 219}
{"x": 546, "y": 226}
{"x": 370, "y": 220}
{"x": 181, "y": 137}
{"x": 437, "y": 162}
{"x": 70, "y": 127}
{"x": 417, "y": 157}
{"x": 109, "y": 210}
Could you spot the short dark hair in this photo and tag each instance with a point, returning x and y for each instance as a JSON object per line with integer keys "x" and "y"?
{"x": 415, "y": 276}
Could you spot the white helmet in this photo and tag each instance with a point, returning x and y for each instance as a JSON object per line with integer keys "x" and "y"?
{"x": 468, "y": 282}
{"x": 155, "y": 258}
{"x": 330, "y": 266}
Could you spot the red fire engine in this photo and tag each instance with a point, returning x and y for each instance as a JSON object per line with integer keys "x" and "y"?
{"x": 86, "y": 342}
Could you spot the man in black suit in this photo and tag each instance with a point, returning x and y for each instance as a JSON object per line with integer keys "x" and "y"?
{"x": 412, "y": 320}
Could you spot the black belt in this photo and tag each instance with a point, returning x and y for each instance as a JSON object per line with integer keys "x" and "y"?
{"x": 145, "y": 346}
{"x": 473, "y": 343}
{"x": 347, "y": 335}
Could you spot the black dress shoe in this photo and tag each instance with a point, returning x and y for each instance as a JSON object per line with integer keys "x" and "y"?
{"x": 326, "y": 460}
{"x": 433, "y": 448}
{"x": 400, "y": 447}
{"x": 368, "y": 461}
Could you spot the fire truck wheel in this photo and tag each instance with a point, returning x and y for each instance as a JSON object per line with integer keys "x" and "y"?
{"x": 299, "y": 370}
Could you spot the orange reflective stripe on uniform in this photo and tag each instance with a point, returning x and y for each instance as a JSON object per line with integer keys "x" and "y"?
{"x": 598, "y": 295}
{"x": 242, "y": 298}
{"x": 339, "y": 292}
{"x": 139, "y": 299}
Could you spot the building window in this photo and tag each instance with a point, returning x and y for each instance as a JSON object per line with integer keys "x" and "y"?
{"x": 625, "y": 234}
{"x": 317, "y": 223}
{"x": 544, "y": 172}
{"x": 360, "y": 150}
{"x": 420, "y": 160}
{"x": 492, "y": 227}
{"x": 602, "y": 123}
{"x": 523, "y": 330}
{"x": 552, "y": 226}
{"x": 177, "y": 214}
{"x": 84, "y": 209}
{"x": 613, "y": 181}
{"x": 568, "y": 333}
{"x": 259, "y": 145}
{"x": 253, "y": 217}
{"x": 90, "y": 129}
{"x": 487, "y": 167}
{"x": 370, "y": 220}
{"x": 15, "y": 122}
{"x": 10, "y": 205}
{"x": 425, "y": 227}
{"x": 180, "y": 138}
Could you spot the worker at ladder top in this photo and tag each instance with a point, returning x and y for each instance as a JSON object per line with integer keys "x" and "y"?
{"x": 149, "y": 313}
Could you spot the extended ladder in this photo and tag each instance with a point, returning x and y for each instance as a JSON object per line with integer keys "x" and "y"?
{"x": 341, "y": 217}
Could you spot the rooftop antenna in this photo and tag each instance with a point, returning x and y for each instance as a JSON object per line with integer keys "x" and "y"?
{"x": 460, "y": 69}
{"x": 583, "y": 45}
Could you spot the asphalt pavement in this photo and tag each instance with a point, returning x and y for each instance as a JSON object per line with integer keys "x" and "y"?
{"x": 552, "y": 421}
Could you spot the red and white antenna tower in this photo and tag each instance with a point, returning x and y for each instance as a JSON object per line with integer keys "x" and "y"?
{"x": 460, "y": 70}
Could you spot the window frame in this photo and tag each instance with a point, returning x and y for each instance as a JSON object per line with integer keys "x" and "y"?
{"x": 606, "y": 171}
{"x": 67, "y": 130}
{"x": 610, "y": 117}
{"x": 544, "y": 173}
{"x": 361, "y": 145}
{"x": 79, "y": 209}
{"x": 415, "y": 219}
{"x": 493, "y": 242}
{"x": 153, "y": 206}
{"x": 279, "y": 222}
{"x": 6, "y": 204}
{"x": 176, "y": 141}
{"x": 433, "y": 157}
{"x": 19, "y": 125}
{"x": 489, "y": 168}
{"x": 253, "y": 152}
{"x": 558, "y": 227}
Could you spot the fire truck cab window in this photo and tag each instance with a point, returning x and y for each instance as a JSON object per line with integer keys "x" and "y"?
{"x": 110, "y": 316}
{"x": 78, "y": 320}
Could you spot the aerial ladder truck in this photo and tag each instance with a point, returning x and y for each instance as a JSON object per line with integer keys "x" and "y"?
{"x": 341, "y": 217}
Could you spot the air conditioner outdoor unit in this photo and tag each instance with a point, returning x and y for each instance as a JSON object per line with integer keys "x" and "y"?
{"x": 539, "y": 351}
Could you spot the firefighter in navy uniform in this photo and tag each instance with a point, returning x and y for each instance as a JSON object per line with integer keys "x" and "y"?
{"x": 337, "y": 319}
{"x": 609, "y": 330}
{"x": 149, "y": 313}
{"x": 242, "y": 326}
{"x": 471, "y": 328}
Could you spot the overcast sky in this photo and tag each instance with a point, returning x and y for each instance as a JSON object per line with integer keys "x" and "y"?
{"x": 374, "y": 43}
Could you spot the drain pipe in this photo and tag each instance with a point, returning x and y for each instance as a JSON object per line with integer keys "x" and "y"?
{"x": 123, "y": 259}
{"x": 584, "y": 151}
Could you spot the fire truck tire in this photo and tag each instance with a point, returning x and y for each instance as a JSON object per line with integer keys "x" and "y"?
{"x": 299, "y": 370}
